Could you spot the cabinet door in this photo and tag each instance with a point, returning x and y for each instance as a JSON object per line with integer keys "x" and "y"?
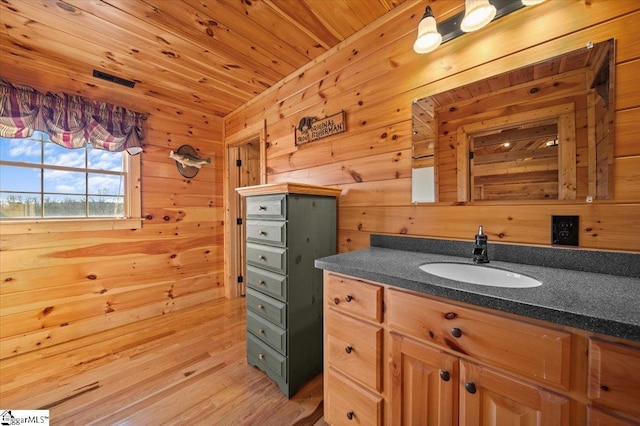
{"x": 424, "y": 384}
{"x": 614, "y": 376}
{"x": 491, "y": 398}
{"x": 600, "y": 418}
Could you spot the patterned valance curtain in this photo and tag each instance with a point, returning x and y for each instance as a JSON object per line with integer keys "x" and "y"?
{"x": 71, "y": 121}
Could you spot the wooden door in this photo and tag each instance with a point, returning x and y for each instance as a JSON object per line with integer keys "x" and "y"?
{"x": 424, "y": 384}
{"x": 244, "y": 170}
{"x": 491, "y": 398}
{"x": 244, "y": 165}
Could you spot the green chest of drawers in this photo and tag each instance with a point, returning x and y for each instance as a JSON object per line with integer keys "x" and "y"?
{"x": 288, "y": 226}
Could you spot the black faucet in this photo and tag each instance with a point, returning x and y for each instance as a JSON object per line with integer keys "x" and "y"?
{"x": 480, "y": 254}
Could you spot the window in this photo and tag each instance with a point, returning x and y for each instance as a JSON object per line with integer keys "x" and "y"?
{"x": 40, "y": 180}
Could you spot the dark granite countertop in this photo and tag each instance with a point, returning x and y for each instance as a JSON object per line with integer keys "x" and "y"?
{"x": 589, "y": 296}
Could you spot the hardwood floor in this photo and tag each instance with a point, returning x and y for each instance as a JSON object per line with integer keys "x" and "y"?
{"x": 187, "y": 367}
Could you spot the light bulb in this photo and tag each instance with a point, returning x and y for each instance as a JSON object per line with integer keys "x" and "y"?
{"x": 428, "y": 36}
{"x": 477, "y": 14}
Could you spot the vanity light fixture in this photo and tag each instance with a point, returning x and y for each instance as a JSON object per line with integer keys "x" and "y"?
{"x": 452, "y": 27}
{"x": 428, "y": 36}
{"x": 477, "y": 14}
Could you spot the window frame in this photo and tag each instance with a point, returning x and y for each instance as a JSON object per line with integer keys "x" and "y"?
{"x": 132, "y": 218}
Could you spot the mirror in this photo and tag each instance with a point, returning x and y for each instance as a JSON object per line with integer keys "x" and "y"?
{"x": 540, "y": 132}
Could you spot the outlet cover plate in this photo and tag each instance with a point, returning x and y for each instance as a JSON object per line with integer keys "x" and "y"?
{"x": 565, "y": 230}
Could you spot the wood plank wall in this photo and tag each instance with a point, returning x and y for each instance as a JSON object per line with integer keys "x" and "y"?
{"x": 375, "y": 76}
{"x": 59, "y": 286}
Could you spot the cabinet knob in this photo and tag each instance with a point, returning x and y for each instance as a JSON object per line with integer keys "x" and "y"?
{"x": 348, "y": 349}
{"x": 470, "y": 387}
{"x": 262, "y": 207}
{"x": 261, "y": 282}
{"x": 336, "y": 301}
{"x": 444, "y": 375}
{"x": 350, "y": 415}
{"x": 349, "y": 298}
{"x": 262, "y": 233}
{"x": 261, "y": 307}
{"x": 260, "y": 331}
{"x": 261, "y": 356}
{"x": 261, "y": 257}
{"x": 456, "y": 332}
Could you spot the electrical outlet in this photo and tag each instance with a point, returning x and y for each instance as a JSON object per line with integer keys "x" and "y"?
{"x": 565, "y": 230}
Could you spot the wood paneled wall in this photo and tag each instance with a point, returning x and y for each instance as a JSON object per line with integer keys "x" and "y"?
{"x": 375, "y": 75}
{"x": 58, "y": 286}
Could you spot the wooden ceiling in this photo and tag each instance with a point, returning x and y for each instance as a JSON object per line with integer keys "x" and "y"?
{"x": 205, "y": 55}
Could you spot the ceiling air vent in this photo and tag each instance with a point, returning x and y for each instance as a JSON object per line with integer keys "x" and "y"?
{"x": 113, "y": 78}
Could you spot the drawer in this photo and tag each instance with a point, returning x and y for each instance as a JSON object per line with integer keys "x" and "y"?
{"x": 353, "y": 296}
{"x": 267, "y": 307}
{"x": 614, "y": 376}
{"x": 267, "y": 232}
{"x": 273, "y": 258}
{"x": 269, "y": 333}
{"x": 536, "y": 352}
{"x": 267, "y": 282}
{"x": 267, "y": 206}
{"x": 355, "y": 348}
{"x": 350, "y": 404}
{"x": 265, "y": 358}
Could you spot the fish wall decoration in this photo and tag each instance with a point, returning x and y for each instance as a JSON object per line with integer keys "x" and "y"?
{"x": 188, "y": 161}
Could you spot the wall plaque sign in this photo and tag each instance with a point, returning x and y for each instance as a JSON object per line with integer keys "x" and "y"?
{"x": 311, "y": 129}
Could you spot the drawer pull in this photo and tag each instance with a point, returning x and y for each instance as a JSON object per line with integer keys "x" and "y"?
{"x": 262, "y": 233}
{"x": 451, "y": 315}
{"x": 261, "y": 282}
{"x": 336, "y": 301}
{"x": 261, "y": 307}
{"x": 262, "y": 207}
{"x": 261, "y": 356}
{"x": 261, "y": 257}
{"x": 348, "y": 349}
{"x": 444, "y": 375}
{"x": 470, "y": 387}
{"x": 260, "y": 331}
{"x": 350, "y": 415}
{"x": 349, "y": 298}
{"x": 456, "y": 332}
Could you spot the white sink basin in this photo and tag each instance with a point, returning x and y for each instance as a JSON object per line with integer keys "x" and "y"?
{"x": 482, "y": 275}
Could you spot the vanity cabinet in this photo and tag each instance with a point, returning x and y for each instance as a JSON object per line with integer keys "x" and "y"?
{"x": 449, "y": 363}
{"x": 288, "y": 226}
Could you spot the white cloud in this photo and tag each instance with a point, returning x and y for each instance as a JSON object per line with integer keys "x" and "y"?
{"x": 73, "y": 158}
{"x": 105, "y": 160}
{"x": 18, "y": 148}
{"x": 105, "y": 184}
{"x": 66, "y": 188}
